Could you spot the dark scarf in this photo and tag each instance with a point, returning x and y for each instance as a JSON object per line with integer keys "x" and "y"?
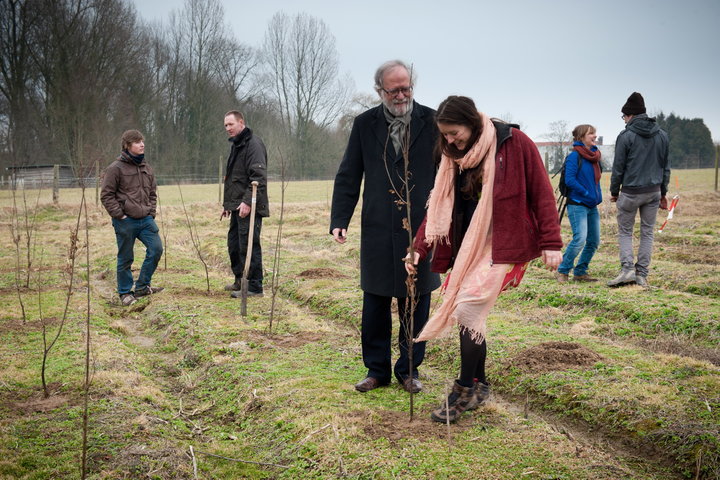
{"x": 592, "y": 157}
{"x": 137, "y": 159}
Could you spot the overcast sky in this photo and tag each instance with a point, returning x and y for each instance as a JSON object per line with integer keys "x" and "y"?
{"x": 535, "y": 61}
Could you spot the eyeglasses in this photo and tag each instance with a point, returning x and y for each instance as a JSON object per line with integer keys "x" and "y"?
{"x": 623, "y": 116}
{"x": 395, "y": 91}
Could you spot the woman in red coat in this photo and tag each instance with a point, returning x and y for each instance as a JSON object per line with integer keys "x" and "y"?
{"x": 491, "y": 211}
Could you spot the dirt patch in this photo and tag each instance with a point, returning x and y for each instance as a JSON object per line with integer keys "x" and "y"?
{"x": 292, "y": 340}
{"x": 552, "y": 356}
{"x": 16, "y": 325}
{"x": 321, "y": 273}
{"x": 682, "y": 348}
{"x": 395, "y": 426}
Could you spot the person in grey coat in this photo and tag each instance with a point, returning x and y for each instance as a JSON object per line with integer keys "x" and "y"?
{"x": 246, "y": 163}
{"x": 375, "y": 153}
{"x": 639, "y": 183}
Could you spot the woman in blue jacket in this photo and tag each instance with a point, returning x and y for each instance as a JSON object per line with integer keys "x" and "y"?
{"x": 582, "y": 177}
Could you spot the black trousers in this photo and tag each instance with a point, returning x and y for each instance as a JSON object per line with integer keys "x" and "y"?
{"x": 376, "y": 336}
{"x": 237, "y": 249}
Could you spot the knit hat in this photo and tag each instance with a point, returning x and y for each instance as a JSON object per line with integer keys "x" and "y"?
{"x": 635, "y": 105}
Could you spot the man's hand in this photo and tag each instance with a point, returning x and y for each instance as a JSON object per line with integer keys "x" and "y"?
{"x": 243, "y": 210}
{"x": 613, "y": 199}
{"x": 410, "y": 267}
{"x": 225, "y": 213}
{"x": 340, "y": 235}
{"x": 663, "y": 203}
{"x": 551, "y": 259}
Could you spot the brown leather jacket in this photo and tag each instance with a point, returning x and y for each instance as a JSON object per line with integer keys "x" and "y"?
{"x": 129, "y": 188}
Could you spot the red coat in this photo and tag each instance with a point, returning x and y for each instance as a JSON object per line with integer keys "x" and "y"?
{"x": 525, "y": 219}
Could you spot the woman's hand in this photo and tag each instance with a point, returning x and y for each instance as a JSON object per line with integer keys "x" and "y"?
{"x": 551, "y": 259}
{"x": 410, "y": 266}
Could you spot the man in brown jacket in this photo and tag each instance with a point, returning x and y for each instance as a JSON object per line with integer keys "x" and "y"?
{"x": 129, "y": 194}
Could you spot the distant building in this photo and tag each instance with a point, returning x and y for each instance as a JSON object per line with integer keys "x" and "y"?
{"x": 554, "y": 153}
{"x": 38, "y": 176}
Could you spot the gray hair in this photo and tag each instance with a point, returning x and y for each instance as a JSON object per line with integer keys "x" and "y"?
{"x": 389, "y": 65}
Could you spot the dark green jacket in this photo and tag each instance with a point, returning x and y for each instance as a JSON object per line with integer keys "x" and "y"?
{"x": 247, "y": 162}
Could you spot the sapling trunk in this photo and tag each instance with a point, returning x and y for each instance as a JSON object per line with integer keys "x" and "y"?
{"x": 14, "y": 231}
{"x": 86, "y": 389}
{"x": 403, "y": 200}
{"x": 275, "y": 284}
{"x": 71, "y": 257}
{"x": 194, "y": 238}
{"x": 164, "y": 231}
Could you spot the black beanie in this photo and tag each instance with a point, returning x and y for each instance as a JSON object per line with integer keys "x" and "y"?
{"x": 635, "y": 105}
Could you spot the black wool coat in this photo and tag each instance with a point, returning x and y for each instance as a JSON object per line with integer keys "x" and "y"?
{"x": 383, "y": 240}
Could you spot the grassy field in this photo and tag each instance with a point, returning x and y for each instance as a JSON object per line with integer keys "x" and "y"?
{"x": 588, "y": 382}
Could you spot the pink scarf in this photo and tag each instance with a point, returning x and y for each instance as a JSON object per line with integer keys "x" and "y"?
{"x": 440, "y": 207}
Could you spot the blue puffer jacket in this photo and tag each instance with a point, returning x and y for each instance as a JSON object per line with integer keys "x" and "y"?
{"x": 582, "y": 187}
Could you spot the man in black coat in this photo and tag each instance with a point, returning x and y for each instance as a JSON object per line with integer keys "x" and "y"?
{"x": 246, "y": 163}
{"x": 378, "y": 140}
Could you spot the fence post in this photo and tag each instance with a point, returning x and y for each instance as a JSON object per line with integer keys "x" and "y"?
{"x": 547, "y": 162}
{"x": 717, "y": 154}
{"x": 56, "y": 184}
{"x": 220, "y": 179}
{"x": 97, "y": 181}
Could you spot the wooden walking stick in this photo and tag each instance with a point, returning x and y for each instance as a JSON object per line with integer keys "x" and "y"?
{"x": 246, "y": 268}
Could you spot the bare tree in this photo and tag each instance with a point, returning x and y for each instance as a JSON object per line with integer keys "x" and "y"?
{"x": 561, "y": 138}
{"x": 207, "y": 73}
{"x": 18, "y": 81}
{"x": 302, "y": 67}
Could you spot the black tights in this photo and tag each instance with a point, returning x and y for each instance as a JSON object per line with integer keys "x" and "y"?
{"x": 472, "y": 359}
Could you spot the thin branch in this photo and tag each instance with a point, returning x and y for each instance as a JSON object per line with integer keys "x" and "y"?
{"x": 86, "y": 389}
{"x": 194, "y": 238}
{"x": 275, "y": 284}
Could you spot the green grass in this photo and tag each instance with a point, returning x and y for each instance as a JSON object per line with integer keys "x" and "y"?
{"x": 183, "y": 368}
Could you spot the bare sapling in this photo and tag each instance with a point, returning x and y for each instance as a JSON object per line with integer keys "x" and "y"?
{"x": 402, "y": 201}
{"x": 275, "y": 283}
{"x": 86, "y": 386}
{"x": 29, "y": 224}
{"x": 195, "y": 238}
{"x": 70, "y": 270}
{"x": 164, "y": 231}
{"x": 15, "y": 232}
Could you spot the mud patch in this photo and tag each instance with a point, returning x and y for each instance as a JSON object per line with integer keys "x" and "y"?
{"x": 42, "y": 404}
{"x": 395, "y": 426}
{"x": 292, "y": 340}
{"x": 16, "y": 325}
{"x": 681, "y": 348}
{"x": 552, "y": 356}
{"x": 321, "y": 273}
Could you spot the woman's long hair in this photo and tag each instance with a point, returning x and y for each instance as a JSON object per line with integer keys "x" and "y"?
{"x": 459, "y": 110}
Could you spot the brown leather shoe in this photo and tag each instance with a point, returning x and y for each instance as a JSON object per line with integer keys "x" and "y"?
{"x": 412, "y": 385}
{"x": 584, "y": 278}
{"x": 367, "y": 384}
{"x": 561, "y": 277}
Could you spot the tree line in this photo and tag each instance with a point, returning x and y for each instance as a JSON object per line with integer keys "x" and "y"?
{"x": 74, "y": 74}
{"x": 691, "y": 144}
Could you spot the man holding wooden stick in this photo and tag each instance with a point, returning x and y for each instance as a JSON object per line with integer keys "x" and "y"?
{"x": 247, "y": 163}
{"x": 381, "y": 139}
